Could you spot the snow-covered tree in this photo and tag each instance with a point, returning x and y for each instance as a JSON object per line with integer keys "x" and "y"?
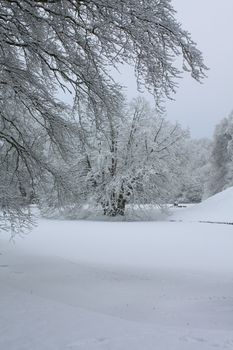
{"x": 48, "y": 45}
{"x": 133, "y": 157}
{"x": 221, "y": 161}
{"x": 195, "y": 170}
{"x": 22, "y": 140}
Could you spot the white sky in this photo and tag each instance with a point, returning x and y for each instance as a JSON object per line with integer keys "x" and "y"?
{"x": 200, "y": 107}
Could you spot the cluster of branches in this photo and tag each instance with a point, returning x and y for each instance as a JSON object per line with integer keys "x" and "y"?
{"x": 132, "y": 158}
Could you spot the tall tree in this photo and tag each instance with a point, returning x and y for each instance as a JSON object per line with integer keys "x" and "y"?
{"x": 133, "y": 157}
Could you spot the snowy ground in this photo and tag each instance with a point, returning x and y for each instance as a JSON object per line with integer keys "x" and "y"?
{"x": 118, "y": 286}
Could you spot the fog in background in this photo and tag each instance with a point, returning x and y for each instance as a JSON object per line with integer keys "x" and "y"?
{"x": 201, "y": 106}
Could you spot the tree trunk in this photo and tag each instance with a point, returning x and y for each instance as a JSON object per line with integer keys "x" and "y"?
{"x": 116, "y": 206}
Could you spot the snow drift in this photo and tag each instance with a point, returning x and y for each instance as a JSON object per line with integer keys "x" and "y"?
{"x": 217, "y": 208}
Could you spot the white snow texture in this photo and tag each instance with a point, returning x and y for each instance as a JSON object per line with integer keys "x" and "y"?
{"x": 142, "y": 285}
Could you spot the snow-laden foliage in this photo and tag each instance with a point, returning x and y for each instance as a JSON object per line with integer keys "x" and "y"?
{"x": 133, "y": 157}
{"x": 49, "y": 45}
{"x": 221, "y": 161}
{"x": 23, "y": 156}
{"x": 47, "y": 42}
{"x": 195, "y": 170}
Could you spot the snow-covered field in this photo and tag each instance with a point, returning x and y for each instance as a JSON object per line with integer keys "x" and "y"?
{"x": 120, "y": 286}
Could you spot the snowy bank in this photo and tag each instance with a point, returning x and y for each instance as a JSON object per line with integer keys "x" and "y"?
{"x": 218, "y": 208}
